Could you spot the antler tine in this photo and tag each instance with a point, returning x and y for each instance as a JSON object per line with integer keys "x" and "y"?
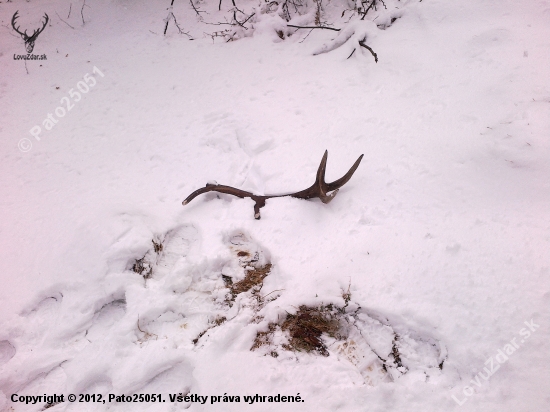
{"x": 44, "y": 26}
{"x": 344, "y": 179}
{"x": 320, "y": 188}
{"x": 322, "y": 169}
{"x": 317, "y": 188}
{"x": 13, "y": 19}
{"x": 36, "y": 32}
{"x": 320, "y": 184}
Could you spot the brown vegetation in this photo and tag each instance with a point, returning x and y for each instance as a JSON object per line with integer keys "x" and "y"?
{"x": 253, "y": 280}
{"x": 305, "y": 329}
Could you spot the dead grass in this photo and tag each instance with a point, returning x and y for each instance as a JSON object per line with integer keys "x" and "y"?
{"x": 264, "y": 338}
{"x": 305, "y": 329}
{"x": 395, "y": 352}
{"x": 143, "y": 268}
{"x": 147, "y": 335}
{"x": 216, "y": 322}
{"x": 157, "y": 246}
{"x": 253, "y": 280}
{"x": 308, "y": 324}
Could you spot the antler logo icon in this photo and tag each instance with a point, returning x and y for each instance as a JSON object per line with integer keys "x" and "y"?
{"x": 29, "y": 40}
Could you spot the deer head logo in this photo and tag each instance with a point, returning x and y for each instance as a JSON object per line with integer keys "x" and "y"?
{"x": 29, "y": 40}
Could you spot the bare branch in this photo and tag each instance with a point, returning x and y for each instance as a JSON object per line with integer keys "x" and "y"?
{"x": 197, "y": 11}
{"x": 372, "y": 5}
{"x": 249, "y": 17}
{"x": 242, "y": 23}
{"x": 226, "y": 23}
{"x": 362, "y": 44}
{"x": 170, "y": 14}
{"x": 312, "y": 27}
{"x": 82, "y": 12}
{"x": 64, "y": 21}
{"x": 307, "y": 35}
{"x": 179, "y": 28}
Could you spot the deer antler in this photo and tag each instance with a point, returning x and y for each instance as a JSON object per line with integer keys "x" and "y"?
{"x": 321, "y": 189}
{"x": 40, "y": 30}
{"x": 29, "y": 40}
{"x": 15, "y": 16}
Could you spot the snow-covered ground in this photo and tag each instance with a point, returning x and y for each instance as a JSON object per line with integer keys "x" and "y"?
{"x": 441, "y": 238}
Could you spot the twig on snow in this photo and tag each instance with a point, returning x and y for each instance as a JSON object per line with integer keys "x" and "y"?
{"x": 312, "y": 27}
{"x": 362, "y": 44}
{"x": 64, "y": 21}
{"x": 82, "y": 12}
{"x": 373, "y": 4}
{"x": 197, "y": 11}
{"x": 307, "y": 35}
{"x": 242, "y": 23}
{"x": 170, "y": 14}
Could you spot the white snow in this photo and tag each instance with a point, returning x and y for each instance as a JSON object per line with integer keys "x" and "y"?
{"x": 442, "y": 235}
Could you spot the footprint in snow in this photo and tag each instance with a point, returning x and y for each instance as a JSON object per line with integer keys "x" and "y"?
{"x": 7, "y": 351}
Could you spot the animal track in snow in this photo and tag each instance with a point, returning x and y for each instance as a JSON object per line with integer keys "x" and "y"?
{"x": 135, "y": 331}
{"x": 106, "y": 318}
{"x": 383, "y": 353}
{"x": 169, "y": 250}
{"x": 379, "y": 350}
{"x": 7, "y": 351}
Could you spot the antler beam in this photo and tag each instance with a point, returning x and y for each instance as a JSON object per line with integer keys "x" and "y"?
{"x": 321, "y": 189}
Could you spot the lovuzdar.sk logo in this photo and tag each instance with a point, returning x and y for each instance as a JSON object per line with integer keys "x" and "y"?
{"x": 29, "y": 39}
